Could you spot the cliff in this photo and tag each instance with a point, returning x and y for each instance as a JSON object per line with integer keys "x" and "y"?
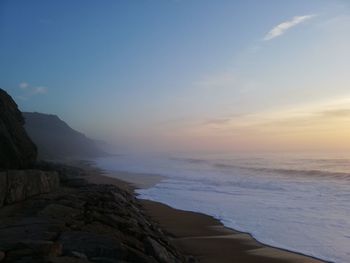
{"x": 52, "y": 214}
{"x": 56, "y": 139}
{"x": 20, "y": 185}
{"x": 82, "y": 223}
{"x": 18, "y": 151}
{"x": 16, "y": 148}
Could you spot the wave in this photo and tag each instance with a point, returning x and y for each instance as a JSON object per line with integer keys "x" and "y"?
{"x": 283, "y": 171}
{"x": 276, "y": 170}
{"x": 189, "y": 160}
{"x": 210, "y": 185}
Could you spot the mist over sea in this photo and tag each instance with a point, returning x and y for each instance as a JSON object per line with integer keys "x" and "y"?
{"x": 300, "y": 202}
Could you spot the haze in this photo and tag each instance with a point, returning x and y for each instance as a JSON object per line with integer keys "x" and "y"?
{"x": 185, "y": 75}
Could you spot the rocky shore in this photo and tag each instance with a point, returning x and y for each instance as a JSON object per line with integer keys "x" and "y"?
{"x": 81, "y": 222}
{"x": 51, "y": 213}
{"x": 58, "y": 213}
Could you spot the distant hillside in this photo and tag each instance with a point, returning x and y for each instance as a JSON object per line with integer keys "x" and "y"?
{"x": 56, "y": 140}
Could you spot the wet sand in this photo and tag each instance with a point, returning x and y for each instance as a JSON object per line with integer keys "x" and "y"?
{"x": 207, "y": 239}
{"x": 200, "y": 235}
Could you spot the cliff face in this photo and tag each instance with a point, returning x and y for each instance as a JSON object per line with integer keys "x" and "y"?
{"x": 16, "y": 148}
{"x": 79, "y": 223}
{"x": 54, "y": 215}
{"x": 20, "y": 185}
{"x": 56, "y": 140}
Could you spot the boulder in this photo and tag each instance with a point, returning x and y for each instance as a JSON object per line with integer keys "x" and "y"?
{"x": 16, "y": 148}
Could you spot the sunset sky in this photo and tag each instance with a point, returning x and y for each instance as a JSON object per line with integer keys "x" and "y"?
{"x": 189, "y": 75}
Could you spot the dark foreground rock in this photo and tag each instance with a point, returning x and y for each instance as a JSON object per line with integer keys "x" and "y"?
{"x": 19, "y": 185}
{"x": 82, "y": 223}
{"x": 16, "y": 148}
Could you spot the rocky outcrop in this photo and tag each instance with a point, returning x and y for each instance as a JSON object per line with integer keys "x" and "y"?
{"x": 19, "y": 185}
{"x": 85, "y": 223}
{"x": 16, "y": 148}
{"x": 75, "y": 222}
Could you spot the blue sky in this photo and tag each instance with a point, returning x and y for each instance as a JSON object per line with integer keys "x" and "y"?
{"x": 158, "y": 73}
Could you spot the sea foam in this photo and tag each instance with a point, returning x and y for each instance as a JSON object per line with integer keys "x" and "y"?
{"x": 299, "y": 203}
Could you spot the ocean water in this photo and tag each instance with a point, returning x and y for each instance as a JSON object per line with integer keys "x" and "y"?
{"x": 299, "y": 202}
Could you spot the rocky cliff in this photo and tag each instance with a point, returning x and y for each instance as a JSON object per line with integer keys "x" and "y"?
{"x": 82, "y": 223}
{"x": 18, "y": 151}
{"x": 16, "y": 148}
{"x": 54, "y": 215}
{"x": 19, "y": 185}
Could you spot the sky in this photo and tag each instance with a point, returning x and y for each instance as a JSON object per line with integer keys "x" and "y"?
{"x": 185, "y": 75}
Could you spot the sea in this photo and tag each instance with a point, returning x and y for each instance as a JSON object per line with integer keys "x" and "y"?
{"x": 299, "y": 202}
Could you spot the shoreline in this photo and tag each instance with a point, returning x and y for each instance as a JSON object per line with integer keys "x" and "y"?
{"x": 200, "y": 235}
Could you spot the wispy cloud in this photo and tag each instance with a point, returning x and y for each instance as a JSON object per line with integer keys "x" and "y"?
{"x": 336, "y": 113}
{"x": 23, "y": 85}
{"x": 281, "y": 28}
{"x": 40, "y": 90}
{"x": 30, "y": 90}
{"x": 311, "y": 117}
{"x": 217, "y": 121}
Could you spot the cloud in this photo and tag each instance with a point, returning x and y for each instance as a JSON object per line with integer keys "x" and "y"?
{"x": 331, "y": 116}
{"x": 30, "y": 90}
{"x": 39, "y": 90}
{"x": 336, "y": 113}
{"x": 23, "y": 85}
{"x": 217, "y": 121}
{"x": 281, "y": 28}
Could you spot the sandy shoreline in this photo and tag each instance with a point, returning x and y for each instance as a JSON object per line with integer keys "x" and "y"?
{"x": 201, "y": 235}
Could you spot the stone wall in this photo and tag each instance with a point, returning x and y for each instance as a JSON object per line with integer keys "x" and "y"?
{"x": 19, "y": 185}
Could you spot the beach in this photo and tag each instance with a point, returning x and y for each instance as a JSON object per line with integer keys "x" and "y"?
{"x": 198, "y": 235}
{"x": 172, "y": 131}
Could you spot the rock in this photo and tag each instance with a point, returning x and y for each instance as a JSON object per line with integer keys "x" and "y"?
{"x": 3, "y": 187}
{"x": 80, "y": 224}
{"x": 42, "y": 247}
{"x": 16, "y": 148}
{"x": 2, "y": 255}
{"x": 15, "y": 233}
{"x": 90, "y": 244}
{"x": 66, "y": 259}
{"x": 79, "y": 255}
{"x": 106, "y": 260}
{"x": 59, "y": 211}
{"x": 76, "y": 182}
{"x": 19, "y": 185}
{"x": 19, "y": 254}
{"x": 159, "y": 251}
